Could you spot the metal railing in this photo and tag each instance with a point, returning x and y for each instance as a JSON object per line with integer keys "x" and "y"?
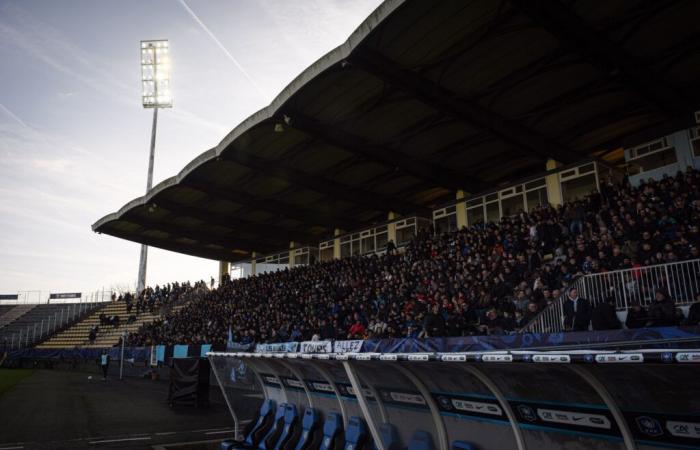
{"x": 680, "y": 280}
{"x": 39, "y": 331}
{"x": 43, "y": 298}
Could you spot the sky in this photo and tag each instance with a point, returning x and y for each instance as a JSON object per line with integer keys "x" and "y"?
{"x": 74, "y": 137}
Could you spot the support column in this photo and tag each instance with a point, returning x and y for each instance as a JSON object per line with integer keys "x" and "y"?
{"x": 553, "y": 185}
{"x": 336, "y": 244}
{"x": 291, "y": 254}
{"x": 224, "y": 269}
{"x": 252, "y": 263}
{"x": 461, "y": 208}
{"x": 391, "y": 227}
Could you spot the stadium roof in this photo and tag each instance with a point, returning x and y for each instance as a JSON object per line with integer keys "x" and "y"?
{"x": 422, "y": 100}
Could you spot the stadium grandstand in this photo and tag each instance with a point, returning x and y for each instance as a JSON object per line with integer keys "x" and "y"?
{"x": 473, "y": 225}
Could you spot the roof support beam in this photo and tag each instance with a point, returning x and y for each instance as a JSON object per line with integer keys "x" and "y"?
{"x": 564, "y": 24}
{"x": 449, "y": 103}
{"x": 306, "y": 215}
{"x": 423, "y": 170}
{"x": 357, "y": 196}
{"x": 235, "y": 224}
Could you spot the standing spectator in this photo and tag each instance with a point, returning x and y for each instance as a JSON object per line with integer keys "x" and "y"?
{"x": 104, "y": 364}
{"x": 434, "y": 323}
{"x": 577, "y": 311}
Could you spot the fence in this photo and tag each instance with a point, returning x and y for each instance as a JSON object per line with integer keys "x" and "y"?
{"x": 38, "y": 331}
{"x": 41, "y": 297}
{"x": 681, "y": 280}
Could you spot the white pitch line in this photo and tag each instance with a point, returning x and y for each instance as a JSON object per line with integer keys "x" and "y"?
{"x": 148, "y": 438}
{"x": 11, "y": 448}
{"x": 220, "y": 432}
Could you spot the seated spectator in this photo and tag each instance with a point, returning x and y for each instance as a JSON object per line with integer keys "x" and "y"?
{"x": 637, "y": 316}
{"x": 604, "y": 315}
{"x": 662, "y": 312}
{"x": 694, "y": 312}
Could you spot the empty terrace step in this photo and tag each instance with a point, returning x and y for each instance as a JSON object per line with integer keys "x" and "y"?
{"x": 14, "y": 314}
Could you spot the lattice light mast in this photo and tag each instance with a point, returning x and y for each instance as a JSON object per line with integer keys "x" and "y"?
{"x": 155, "y": 94}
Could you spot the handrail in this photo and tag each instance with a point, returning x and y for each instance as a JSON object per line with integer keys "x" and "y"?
{"x": 680, "y": 280}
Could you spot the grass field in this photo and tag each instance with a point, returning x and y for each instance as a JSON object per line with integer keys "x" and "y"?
{"x": 10, "y": 377}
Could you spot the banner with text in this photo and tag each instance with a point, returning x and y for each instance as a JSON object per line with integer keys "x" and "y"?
{"x": 317, "y": 347}
{"x": 347, "y": 346}
{"x": 283, "y": 347}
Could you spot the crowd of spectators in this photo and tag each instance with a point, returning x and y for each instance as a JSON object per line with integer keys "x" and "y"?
{"x": 489, "y": 278}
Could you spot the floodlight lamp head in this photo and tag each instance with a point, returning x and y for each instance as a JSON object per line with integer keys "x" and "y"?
{"x": 155, "y": 74}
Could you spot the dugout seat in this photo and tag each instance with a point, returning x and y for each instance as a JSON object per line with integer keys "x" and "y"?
{"x": 389, "y": 436}
{"x": 272, "y": 436}
{"x": 332, "y": 433}
{"x": 421, "y": 440}
{"x": 255, "y": 430}
{"x": 355, "y": 434}
{"x": 461, "y": 445}
{"x": 291, "y": 420}
{"x": 308, "y": 435}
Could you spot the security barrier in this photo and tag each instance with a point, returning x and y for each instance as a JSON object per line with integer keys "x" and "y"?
{"x": 492, "y": 400}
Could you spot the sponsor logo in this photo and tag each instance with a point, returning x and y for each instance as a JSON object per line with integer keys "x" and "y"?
{"x": 688, "y": 357}
{"x": 413, "y": 399}
{"x": 574, "y": 418}
{"x": 684, "y": 429}
{"x": 323, "y": 387}
{"x": 497, "y": 358}
{"x": 445, "y": 402}
{"x": 620, "y": 358}
{"x": 477, "y": 407}
{"x": 552, "y": 358}
{"x": 527, "y": 413}
{"x": 649, "y": 426}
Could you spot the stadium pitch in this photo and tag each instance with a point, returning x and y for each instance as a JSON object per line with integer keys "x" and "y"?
{"x": 46, "y": 409}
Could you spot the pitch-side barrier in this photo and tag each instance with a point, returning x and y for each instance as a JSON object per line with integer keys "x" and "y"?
{"x": 638, "y": 399}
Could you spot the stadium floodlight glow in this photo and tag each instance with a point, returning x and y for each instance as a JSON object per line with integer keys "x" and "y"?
{"x": 155, "y": 94}
{"x": 155, "y": 74}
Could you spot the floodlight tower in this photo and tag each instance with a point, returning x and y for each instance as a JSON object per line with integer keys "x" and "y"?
{"x": 155, "y": 94}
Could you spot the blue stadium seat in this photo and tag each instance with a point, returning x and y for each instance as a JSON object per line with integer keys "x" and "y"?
{"x": 421, "y": 440}
{"x": 389, "y": 436}
{"x": 356, "y": 434}
{"x": 291, "y": 418}
{"x": 461, "y": 445}
{"x": 309, "y": 434}
{"x": 255, "y": 430}
{"x": 268, "y": 442}
{"x": 332, "y": 432}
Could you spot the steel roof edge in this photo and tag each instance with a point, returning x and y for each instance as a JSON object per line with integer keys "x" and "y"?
{"x": 321, "y": 65}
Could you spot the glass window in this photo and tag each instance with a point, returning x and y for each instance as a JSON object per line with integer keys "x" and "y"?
{"x": 404, "y": 235}
{"x": 284, "y": 259}
{"x": 367, "y": 245}
{"x": 578, "y": 188}
{"x": 511, "y": 206}
{"x": 475, "y": 215}
{"x": 382, "y": 239}
{"x": 536, "y": 198}
{"x": 696, "y": 147}
{"x": 345, "y": 249}
{"x": 355, "y": 247}
{"x": 653, "y": 161}
{"x": 326, "y": 254}
{"x": 536, "y": 183}
{"x": 302, "y": 259}
{"x": 475, "y": 201}
{"x": 493, "y": 212}
{"x": 446, "y": 224}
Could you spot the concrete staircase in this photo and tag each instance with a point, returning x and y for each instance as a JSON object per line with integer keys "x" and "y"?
{"x": 14, "y": 314}
{"x": 108, "y": 336}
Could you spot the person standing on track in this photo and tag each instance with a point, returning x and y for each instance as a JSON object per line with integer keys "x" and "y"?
{"x": 104, "y": 364}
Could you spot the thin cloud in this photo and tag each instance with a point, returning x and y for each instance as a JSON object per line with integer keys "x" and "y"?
{"x": 14, "y": 116}
{"x": 235, "y": 62}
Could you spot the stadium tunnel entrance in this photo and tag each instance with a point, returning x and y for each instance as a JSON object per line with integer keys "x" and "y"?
{"x": 493, "y": 400}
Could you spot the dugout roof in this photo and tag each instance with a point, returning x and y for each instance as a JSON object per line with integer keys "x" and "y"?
{"x": 422, "y": 100}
